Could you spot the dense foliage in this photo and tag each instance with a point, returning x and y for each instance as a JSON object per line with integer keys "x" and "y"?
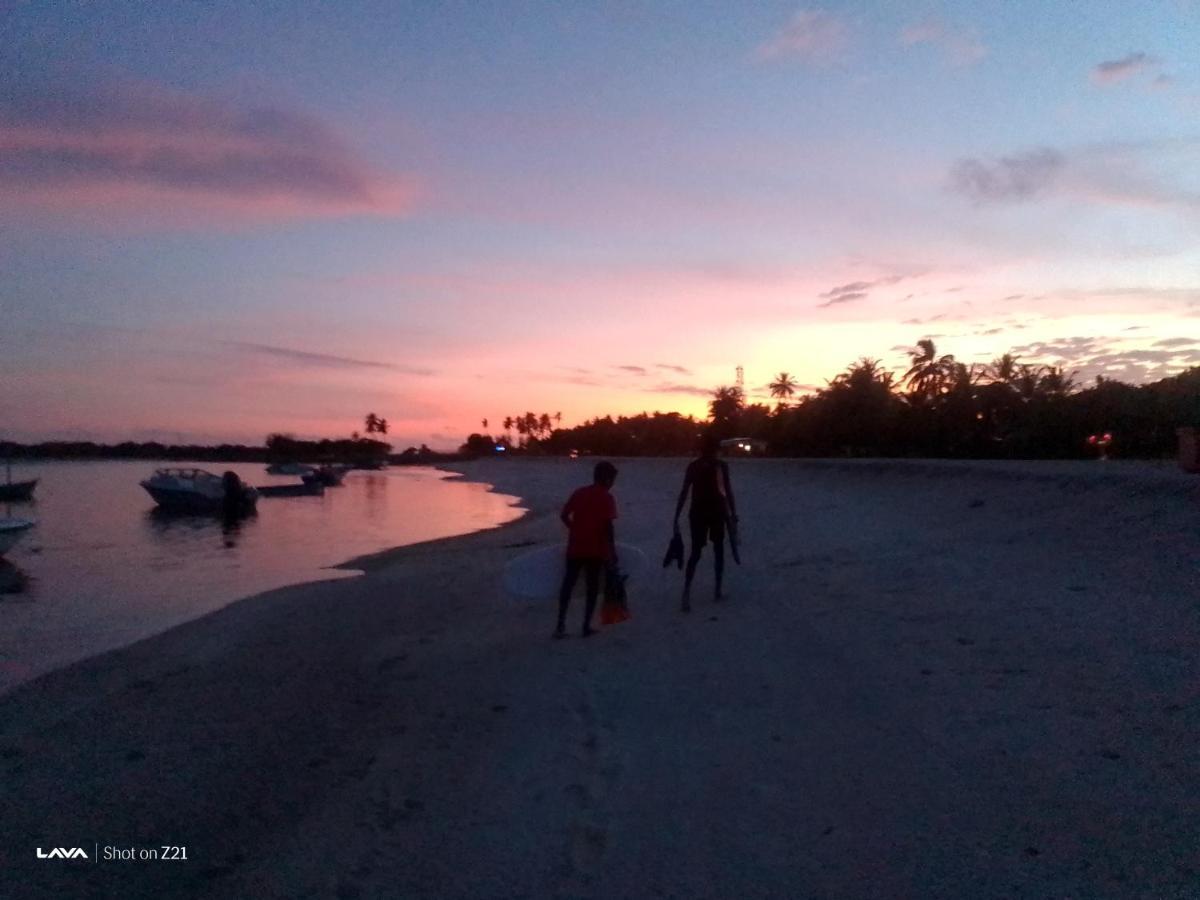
{"x": 938, "y": 408}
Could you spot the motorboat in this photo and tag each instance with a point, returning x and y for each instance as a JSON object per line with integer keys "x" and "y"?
{"x": 289, "y": 468}
{"x": 11, "y": 531}
{"x": 198, "y": 490}
{"x": 306, "y": 488}
{"x": 329, "y": 475}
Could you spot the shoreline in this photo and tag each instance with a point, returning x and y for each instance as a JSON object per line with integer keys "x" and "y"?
{"x": 295, "y": 575}
{"x": 922, "y": 684}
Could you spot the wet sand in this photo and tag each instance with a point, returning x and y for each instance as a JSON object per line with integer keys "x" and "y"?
{"x": 929, "y": 680}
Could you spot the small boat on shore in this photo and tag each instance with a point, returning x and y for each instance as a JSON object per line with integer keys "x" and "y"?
{"x": 200, "y": 491}
{"x": 289, "y": 468}
{"x": 306, "y": 488}
{"x": 331, "y": 476}
{"x": 11, "y": 531}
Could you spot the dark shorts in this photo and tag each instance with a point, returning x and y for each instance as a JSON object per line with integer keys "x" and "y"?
{"x": 707, "y": 528}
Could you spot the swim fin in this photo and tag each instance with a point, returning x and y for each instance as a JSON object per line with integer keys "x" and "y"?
{"x": 674, "y": 551}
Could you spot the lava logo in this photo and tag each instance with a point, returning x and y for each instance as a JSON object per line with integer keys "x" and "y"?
{"x": 62, "y": 853}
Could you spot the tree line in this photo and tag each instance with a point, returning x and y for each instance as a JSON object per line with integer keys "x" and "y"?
{"x": 938, "y": 407}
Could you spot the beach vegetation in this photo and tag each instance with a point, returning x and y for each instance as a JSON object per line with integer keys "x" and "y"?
{"x": 937, "y": 407}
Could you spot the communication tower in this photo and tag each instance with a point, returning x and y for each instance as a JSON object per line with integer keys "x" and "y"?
{"x": 741, "y": 379}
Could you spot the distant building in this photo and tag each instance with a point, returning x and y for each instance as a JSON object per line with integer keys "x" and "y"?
{"x": 743, "y": 446}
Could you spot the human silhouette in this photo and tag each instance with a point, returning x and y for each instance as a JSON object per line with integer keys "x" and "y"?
{"x": 707, "y": 480}
{"x": 591, "y": 543}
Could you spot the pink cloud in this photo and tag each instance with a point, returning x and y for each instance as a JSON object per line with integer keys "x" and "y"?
{"x": 1113, "y": 70}
{"x": 811, "y": 35}
{"x": 962, "y": 46}
{"x": 149, "y": 151}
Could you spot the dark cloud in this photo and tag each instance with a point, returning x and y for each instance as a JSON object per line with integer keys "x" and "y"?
{"x": 1088, "y": 357}
{"x": 668, "y": 388}
{"x": 1008, "y": 179}
{"x": 843, "y": 298}
{"x": 116, "y": 140}
{"x": 1113, "y": 70}
{"x": 323, "y": 359}
{"x": 635, "y": 370}
{"x": 671, "y": 368}
{"x": 853, "y": 286}
{"x": 1176, "y": 342}
{"x": 1064, "y": 347}
{"x": 855, "y": 290}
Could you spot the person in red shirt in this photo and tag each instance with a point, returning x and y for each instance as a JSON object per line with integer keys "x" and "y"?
{"x": 591, "y": 546}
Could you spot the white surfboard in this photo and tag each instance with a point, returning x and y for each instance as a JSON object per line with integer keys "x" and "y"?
{"x": 538, "y": 574}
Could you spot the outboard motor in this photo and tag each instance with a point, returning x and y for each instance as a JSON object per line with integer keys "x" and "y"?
{"x": 234, "y": 495}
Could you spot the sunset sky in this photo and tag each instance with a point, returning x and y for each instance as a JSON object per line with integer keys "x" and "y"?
{"x": 226, "y": 219}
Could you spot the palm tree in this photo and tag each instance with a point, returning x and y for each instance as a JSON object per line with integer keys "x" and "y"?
{"x": 864, "y": 373}
{"x": 1055, "y": 382}
{"x": 484, "y": 423}
{"x": 544, "y": 424}
{"x": 1003, "y": 370}
{"x": 1027, "y": 381}
{"x": 783, "y": 387}
{"x": 558, "y": 419}
{"x": 508, "y": 427}
{"x": 381, "y": 426}
{"x": 961, "y": 378}
{"x": 371, "y": 422}
{"x": 725, "y": 405}
{"x": 927, "y": 376}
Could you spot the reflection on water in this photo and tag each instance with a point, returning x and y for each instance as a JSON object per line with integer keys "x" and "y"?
{"x": 105, "y": 566}
{"x": 168, "y": 524}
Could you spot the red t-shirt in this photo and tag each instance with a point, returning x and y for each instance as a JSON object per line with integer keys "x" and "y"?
{"x": 589, "y": 510}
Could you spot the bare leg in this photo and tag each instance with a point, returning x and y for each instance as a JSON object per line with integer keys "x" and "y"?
{"x": 718, "y": 565}
{"x": 564, "y": 596}
{"x": 689, "y": 574}
{"x": 591, "y": 574}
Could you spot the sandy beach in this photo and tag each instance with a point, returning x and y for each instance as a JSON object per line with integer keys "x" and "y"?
{"x": 930, "y": 679}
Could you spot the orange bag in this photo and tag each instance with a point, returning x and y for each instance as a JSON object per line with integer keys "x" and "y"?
{"x": 613, "y": 613}
{"x": 614, "y": 609}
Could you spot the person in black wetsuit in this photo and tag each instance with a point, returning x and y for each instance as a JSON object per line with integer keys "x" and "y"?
{"x": 707, "y": 478}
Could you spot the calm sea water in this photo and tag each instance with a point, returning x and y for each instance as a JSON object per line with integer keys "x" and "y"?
{"x": 103, "y": 568}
